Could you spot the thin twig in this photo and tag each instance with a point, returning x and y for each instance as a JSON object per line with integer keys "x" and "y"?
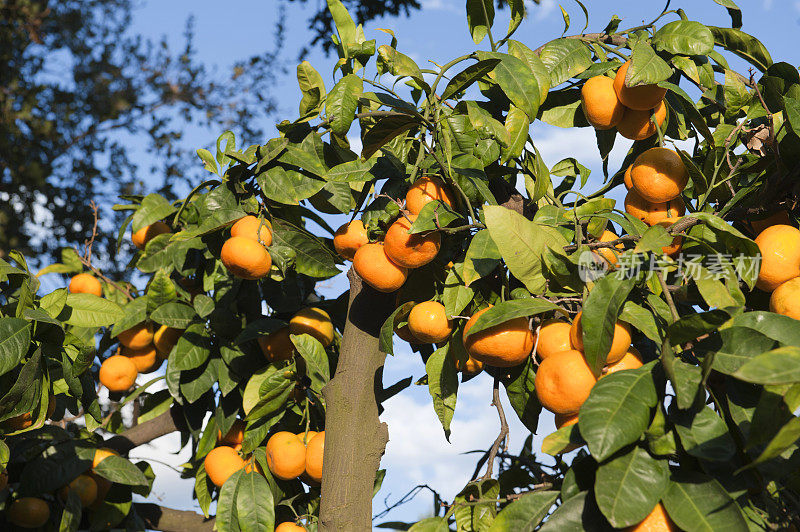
{"x": 87, "y": 245}
{"x": 668, "y": 297}
{"x": 103, "y": 277}
{"x": 503, "y": 430}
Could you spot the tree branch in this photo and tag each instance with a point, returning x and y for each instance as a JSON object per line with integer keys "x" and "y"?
{"x": 503, "y": 429}
{"x": 157, "y": 517}
{"x": 161, "y": 425}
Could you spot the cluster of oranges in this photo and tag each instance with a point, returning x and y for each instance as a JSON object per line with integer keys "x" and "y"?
{"x": 91, "y": 489}
{"x": 384, "y": 265}
{"x": 289, "y": 456}
{"x": 277, "y": 346}
{"x": 142, "y": 350}
{"x": 655, "y": 182}
{"x": 779, "y": 246}
{"x": 608, "y": 103}
{"x": 245, "y": 253}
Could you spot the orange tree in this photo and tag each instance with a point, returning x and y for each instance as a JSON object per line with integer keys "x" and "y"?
{"x": 662, "y": 333}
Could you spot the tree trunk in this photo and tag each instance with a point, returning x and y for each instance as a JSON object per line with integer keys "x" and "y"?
{"x": 354, "y": 436}
{"x": 168, "y": 520}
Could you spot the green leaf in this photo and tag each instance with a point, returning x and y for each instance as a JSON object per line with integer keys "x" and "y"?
{"x": 119, "y": 470}
{"x": 482, "y": 257}
{"x": 646, "y": 67}
{"x": 468, "y": 76}
{"x": 704, "y": 434}
{"x": 508, "y": 310}
{"x": 192, "y": 349}
{"x": 700, "y": 503}
{"x": 599, "y": 317}
{"x": 341, "y": 103}
{"x": 578, "y": 513}
{"x": 314, "y": 258}
{"x": 255, "y": 508}
{"x": 514, "y": 77}
{"x": 565, "y": 59}
{"x": 345, "y": 26}
{"x": 524, "y": 514}
{"x": 88, "y": 310}
{"x": 781, "y": 328}
{"x": 779, "y": 366}
{"x": 792, "y": 108}
{"x": 351, "y": 171}
{"x": 443, "y": 386}
{"x": 563, "y": 440}
{"x": 160, "y": 290}
{"x": 456, "y": 296}
{"x": 685, "y": 37}
{"x": 738, "y": 345}
{"x": 316, "y": 359}
{"x": 617, "y": 411}
{"x": 641, "y": 319}
{"x": 71, "y": 515}
{"x": 744, "y": 45}
{"x": 15, "y": 339}
{"x": 311, "y": 85}
{"x": 53, "y": 303}
{"x": 476, "y": 516}
{"x": 517, "y": 125}
{"x": 786, "y": 438}
{"x": 628, "y": 486}
{"x": 480, "y": 17}
{"x": 521, "y": 243}
{"x": 226, "y": 518}
{"x": 174, "y": 314}
{"x": 520, "y": 388}
{"x": 400, "y": 65}
{"x": 134, "y": 313}
{"x": 431, "y": 524}
{"x": 288, "y": 186}
{"x": 252, "y": 390}
{"x": 733, "y": 11}
{"x": 538, "y": 68}
{"x": 154, "y": 207}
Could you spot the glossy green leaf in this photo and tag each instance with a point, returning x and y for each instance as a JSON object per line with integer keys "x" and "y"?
{"x": 88, "y": 310}
{"x": 443, "y": 386}
{"x": 744, "y": 45}
{"x": 15, "y": 338}
{"x": 341, "y": 103}
{"x": 508, "y": 310}
{"x": 482, "y": 257}
{"x": 646, "y": 67}
{"x": 565, "y": 59}
{"x": 480, "y": 17}
{"x": 778, "y": 366}
{"x": 524, "y": 514}
{"x": 700, "y": 503}
{"x": 685, "y": 37}
{"x": 599, "y": 317}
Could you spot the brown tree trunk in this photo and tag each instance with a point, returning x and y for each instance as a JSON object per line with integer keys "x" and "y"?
{"x": 354, "y": 436}
{"x": 168, "y": 520}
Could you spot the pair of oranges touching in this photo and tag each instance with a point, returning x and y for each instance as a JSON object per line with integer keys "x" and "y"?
{"x": 384, "y": 265}
{"x": 91, "y": 489}
{"x": 289, "y": 456}
{"x": 779, "y": 245}
{"x": 142, "y": 350}
{"x": 609, "y": 103}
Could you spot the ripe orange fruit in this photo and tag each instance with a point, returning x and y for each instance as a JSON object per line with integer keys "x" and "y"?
{"x": 288, "y": 526}
{"x": 165, "y": 339}
{"x": 659, "y": 175}
{"x": 314, "y": 452}
{"x": 221, "y": 463}
{"x": 277, "y": 346}
{"x": 305, "y": 437}
{"x": 251, "y": 465}
{"x": 137, "y": 337}
{"x": 627, "y": 178}
{"x": 656, "y": 521}
{"x": 652, "y": 213}
{"x": 84, "y": 487}
{"x": 84, "y": 283}
{"x": 638, "y": 125}
{"x": 313, "y": 321}
{"x": 286, "y": 455}
{"x": 101, "y": 454}
{"x": 776, "y": 218}
{"x": 631, "y": 360}
{"x": 251, "y": 227}
{"x": 607, "y": 253}
{"x": 565, "y": 420}
{"x": 424, "y": 190}
{"x": 600, "y": 104}
{"x": 235, "y": 435}
{"x": 28, "y": 512}
{"x": 428, "y": 322}
{"x": 786, "y": 299}
{"x": 504, "y": 345}
{"x": 469, "y": 367}
{"x": 377, "y": 269}
{"x": 349, "y": 237}
{"x": 619, "y": 344}
{"x": 780, "y": 256}
{"x": 245, "y": 258}
{"x": 552, "y": 337}
{"x": 146, "y": 360}
{"x": 144, "y": 235}
{"x": 118, "y": 373}
{"x": 410, "y": 251}
{"x": 677, "y": 241}
{"x": 642, "y": 97}
{"x": 563, "y": 382}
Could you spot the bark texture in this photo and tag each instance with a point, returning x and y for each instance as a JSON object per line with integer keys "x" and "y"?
{"x": 355, "y": 438}
{"x": 137, "y": 435}
{"x": 159, "y": 518}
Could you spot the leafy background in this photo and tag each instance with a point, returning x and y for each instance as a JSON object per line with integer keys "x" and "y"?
{"x": 417, "y": 452}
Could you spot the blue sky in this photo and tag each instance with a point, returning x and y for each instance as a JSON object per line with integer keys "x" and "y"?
{"x": 417, "y": 452}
